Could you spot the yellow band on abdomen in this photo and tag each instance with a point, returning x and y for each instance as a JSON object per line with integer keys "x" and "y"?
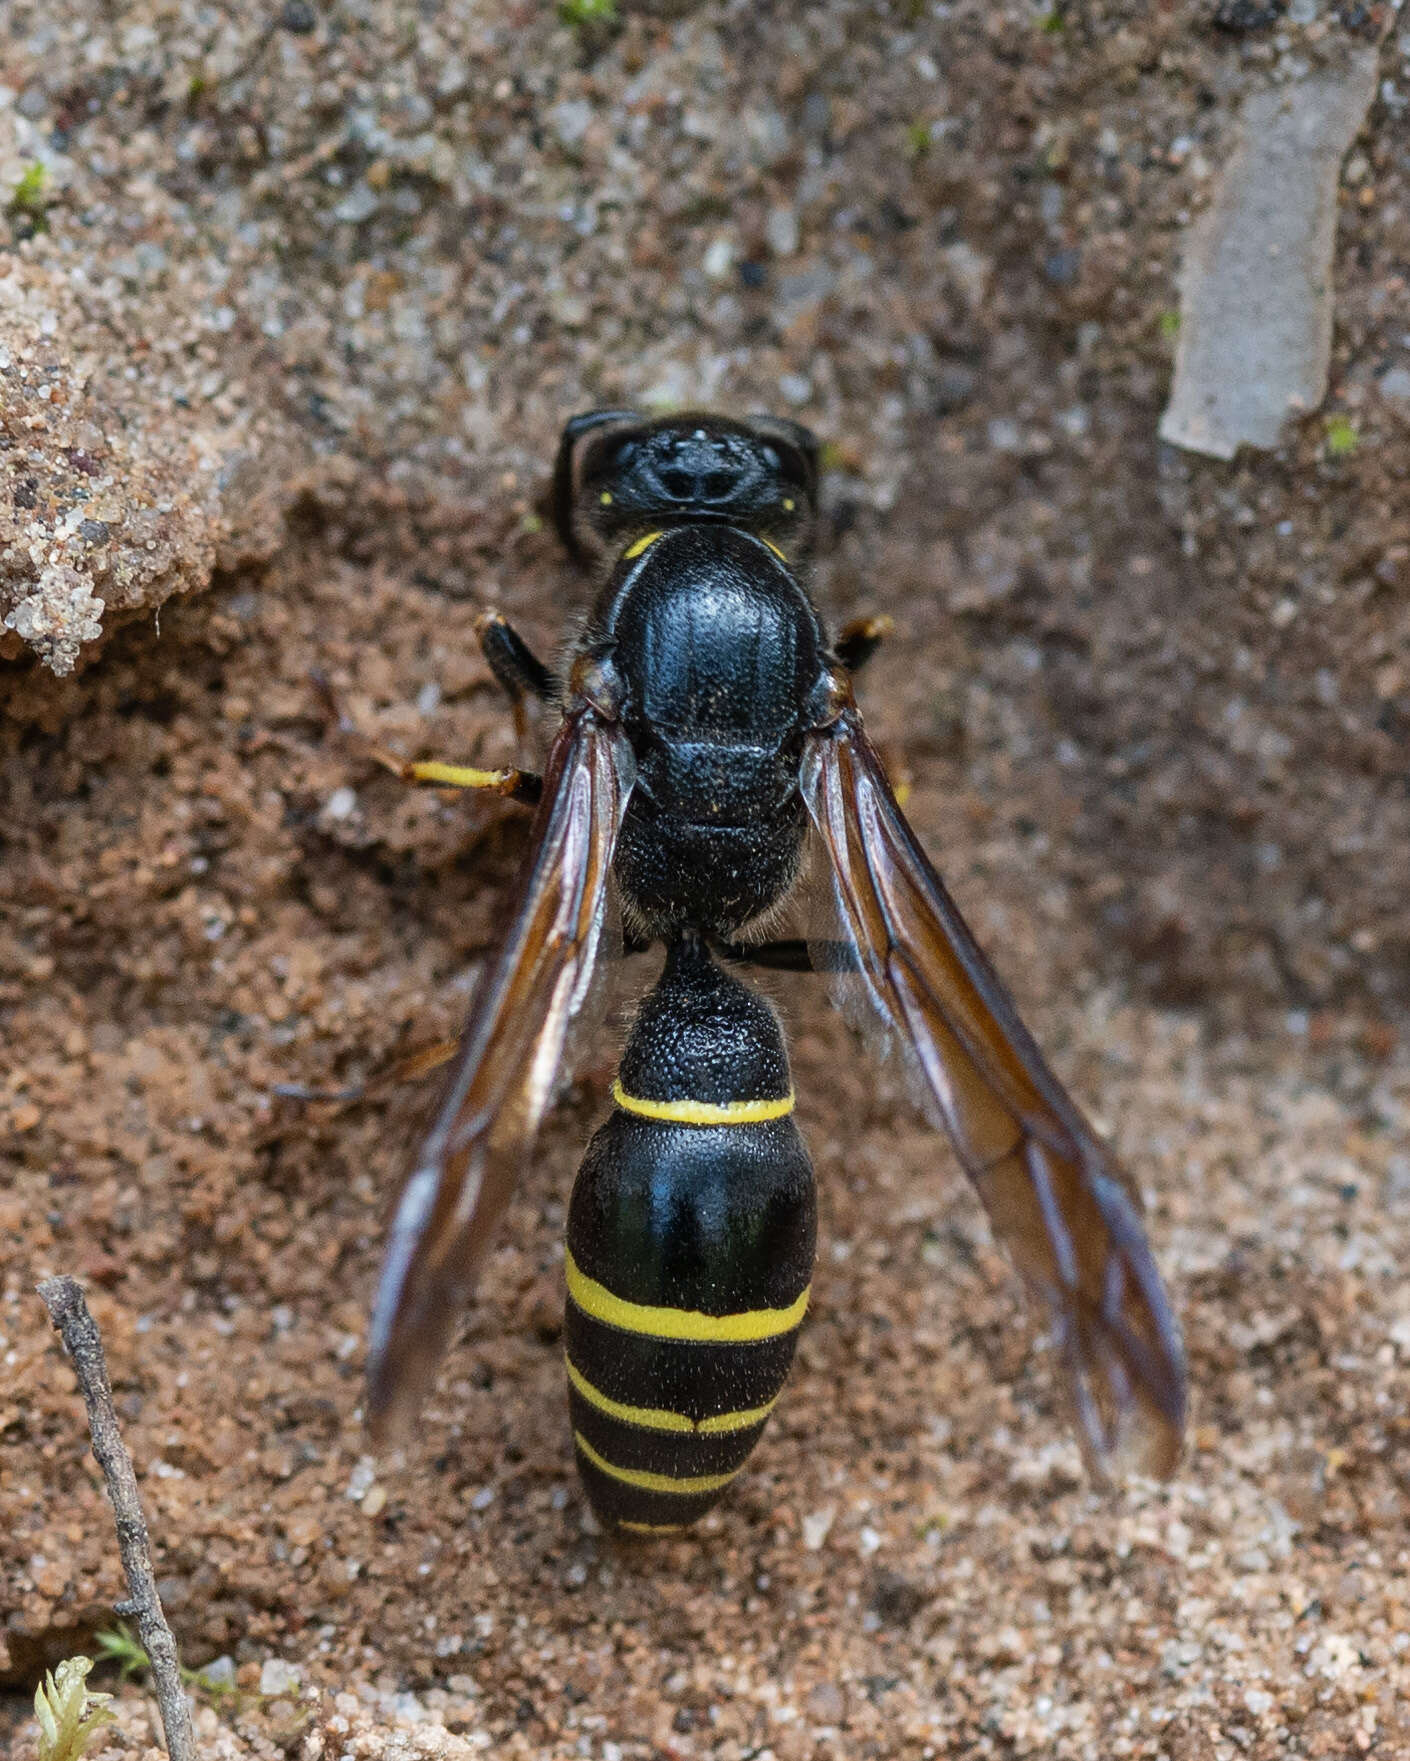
{"x": 662, "y": 1323}
{"x": 654, "y": 1418}
{"x": 704, "y": 1112}
{"x": 649, "y": 1482}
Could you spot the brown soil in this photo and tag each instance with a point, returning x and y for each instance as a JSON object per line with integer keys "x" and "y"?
{"x": 1155, "y": 712}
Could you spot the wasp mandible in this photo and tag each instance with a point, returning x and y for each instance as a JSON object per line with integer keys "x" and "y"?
{"x": 708, "y": 736}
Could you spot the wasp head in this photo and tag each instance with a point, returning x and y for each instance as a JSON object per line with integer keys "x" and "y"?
{"x": 619, "y": 475}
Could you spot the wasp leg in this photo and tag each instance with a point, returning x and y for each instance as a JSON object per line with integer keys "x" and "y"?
{"x": 410, "y": 1068}
{"x": 514, "y": 663}
{"x": 860, "y": 640}
{"x": 517, "y": 668}
{"x": 514, "y": 785}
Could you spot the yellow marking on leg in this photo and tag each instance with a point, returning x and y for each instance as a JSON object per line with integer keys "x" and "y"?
{"x": 653, "y": 1418}
{"x": 633, "y": 551}
{"x": 703, "y": 1112}
{"x": 456, "y": 776}
{"x": 648, "y": 1482}
{"x": 597, "y": 1300}
{"x": 775, "y": 549}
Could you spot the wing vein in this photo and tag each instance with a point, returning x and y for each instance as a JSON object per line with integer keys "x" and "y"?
{"x": 1056, "y": 1198}
{"x": 502, "y": 1080}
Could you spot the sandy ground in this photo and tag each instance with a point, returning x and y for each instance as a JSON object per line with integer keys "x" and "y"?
{"x": 326, "y": 294}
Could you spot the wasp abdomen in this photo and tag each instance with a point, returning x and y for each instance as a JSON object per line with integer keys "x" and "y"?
{"x": 690, "y": 1249}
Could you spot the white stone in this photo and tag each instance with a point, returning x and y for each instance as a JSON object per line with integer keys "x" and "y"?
{"x": 1256, "y": 296}
{"x": 719, "y": 259}
{"x": 817, "y": 1526}
{"x": 277, "y": 1677}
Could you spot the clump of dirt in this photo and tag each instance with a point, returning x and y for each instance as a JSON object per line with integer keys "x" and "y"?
{"x": 1155, "y": 715}
{"x": 113, "y": 502}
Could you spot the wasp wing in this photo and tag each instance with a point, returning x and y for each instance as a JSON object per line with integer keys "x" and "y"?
{"x": 502, "y": 1080}
{"x": 1067, "y": 1213}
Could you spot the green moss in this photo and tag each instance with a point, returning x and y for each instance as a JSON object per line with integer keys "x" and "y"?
{"x": 583, "y": 15}
{"x": 918, "y": 140}
{"x": 31, "y": 193}
{"x": 69, "y": 1716}
{"x": 1342, "y": 438}
{"x": 118, "y": 1645}
{"x": 1170, "y": 325}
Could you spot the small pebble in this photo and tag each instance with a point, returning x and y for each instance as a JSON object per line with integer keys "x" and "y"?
{"x": 278, "y": 1677}
{"x": 817, "y": 1527}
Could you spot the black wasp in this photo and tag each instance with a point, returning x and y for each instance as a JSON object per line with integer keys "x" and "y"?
{"x": 709, "y": 735}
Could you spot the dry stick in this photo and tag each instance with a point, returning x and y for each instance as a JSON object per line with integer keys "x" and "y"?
{"x": 69, "y": 1312}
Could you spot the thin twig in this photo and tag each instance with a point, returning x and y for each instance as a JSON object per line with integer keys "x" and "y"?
{"x": 79, "y": 1331}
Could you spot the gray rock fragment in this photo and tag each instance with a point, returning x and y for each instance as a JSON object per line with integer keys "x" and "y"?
{"x": 1256, "y": 291}
{"x": 1396, "y": 384}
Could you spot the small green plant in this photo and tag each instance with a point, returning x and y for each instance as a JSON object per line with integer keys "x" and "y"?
{"x": 117, "y": 1645}
{"x": 1342, "y": 439}
{"x": 1054, "y": 21}
{"x": 1170, "y": 325}
{"x": 68, "y": 1714}
{"x": 31, "y": 194}
{"x": 918, "y": 140}
{"x": 582, "y": 15}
